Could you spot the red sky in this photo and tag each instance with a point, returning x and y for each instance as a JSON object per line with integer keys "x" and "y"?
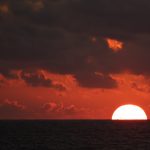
{"x": 19, "y": 100}
{"x": 77, "y": 59}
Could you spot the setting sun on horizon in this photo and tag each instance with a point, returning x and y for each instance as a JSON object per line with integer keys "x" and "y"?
{"x": 129, "y": 112}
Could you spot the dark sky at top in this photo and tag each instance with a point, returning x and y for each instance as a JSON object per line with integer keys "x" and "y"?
{"x": 55, "y": 35}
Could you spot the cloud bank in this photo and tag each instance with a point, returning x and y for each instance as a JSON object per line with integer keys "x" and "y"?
{"x": 69, "y": 37}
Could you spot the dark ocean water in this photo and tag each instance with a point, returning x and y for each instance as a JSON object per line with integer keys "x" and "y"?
{"x": 74, "y": 135}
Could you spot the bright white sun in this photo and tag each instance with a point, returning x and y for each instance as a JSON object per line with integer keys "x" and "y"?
{"x": 129, "y": 112}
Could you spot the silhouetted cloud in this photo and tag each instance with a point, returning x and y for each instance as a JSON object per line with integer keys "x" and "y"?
{"x": 96, "y": 81}
{"x": 36, "y": 79}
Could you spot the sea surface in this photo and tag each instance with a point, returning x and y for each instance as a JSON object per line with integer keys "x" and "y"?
{"x": 74, "y": 135}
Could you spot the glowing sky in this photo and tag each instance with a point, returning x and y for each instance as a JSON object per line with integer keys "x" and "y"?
{"x": 79, "y": 59}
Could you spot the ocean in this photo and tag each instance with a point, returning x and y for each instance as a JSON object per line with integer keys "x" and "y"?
{"x": 74, "y": 135}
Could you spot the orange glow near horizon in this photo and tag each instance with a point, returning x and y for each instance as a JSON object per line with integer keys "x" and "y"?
{"x": 78, "y": 102}
{"x": 115, "y": 45}
{"x": 129, "y": 112}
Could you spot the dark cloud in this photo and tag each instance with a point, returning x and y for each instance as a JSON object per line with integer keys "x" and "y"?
{"x": 56, "y": 36}
{"x": 96, "y": 81}
{"x": 36, "y": 79}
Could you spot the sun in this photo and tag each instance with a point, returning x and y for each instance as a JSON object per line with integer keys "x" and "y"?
{"x": 129, "y": 112}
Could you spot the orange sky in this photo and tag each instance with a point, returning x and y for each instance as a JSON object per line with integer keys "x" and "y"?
{"x": 76, "y": 59}
{"x": 66, "y": 99}
{"x": 73, "y": 102}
